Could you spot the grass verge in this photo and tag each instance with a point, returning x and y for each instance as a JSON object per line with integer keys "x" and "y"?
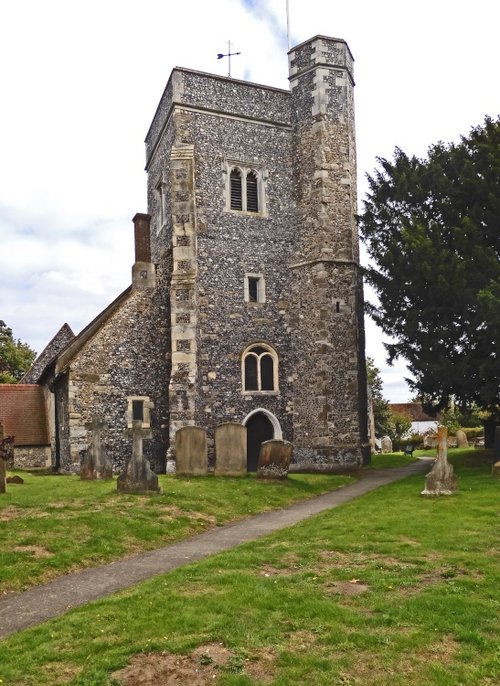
{"x": 51, "y": 525}
{"x": 392, "y": 588}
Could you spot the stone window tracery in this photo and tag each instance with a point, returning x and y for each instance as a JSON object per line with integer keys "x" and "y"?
{"x": 245, "y": 186}
{"x": 259, "y": 369}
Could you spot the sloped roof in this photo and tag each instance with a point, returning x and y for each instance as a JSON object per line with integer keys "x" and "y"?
{"x": 23, "y": 414}
{"x": 62, "y": 338}
{"x": 414, "y": 411}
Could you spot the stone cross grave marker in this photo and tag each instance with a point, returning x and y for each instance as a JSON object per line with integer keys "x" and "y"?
{"x": 138, "y": 477}
{"x": 191, "y": 451}
{"x": 230, "y": 449}
{"x": 274, "y": 459}
{"x": 441, "y": 480}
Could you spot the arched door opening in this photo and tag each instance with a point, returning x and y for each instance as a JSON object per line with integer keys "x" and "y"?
{"x": 259, "y": 429}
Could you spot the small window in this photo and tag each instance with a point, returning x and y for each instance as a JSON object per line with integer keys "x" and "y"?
{"x": 138, "y": 410}
{"x": 236, "y": 194}
{"x": 160, "y": 195}
{"x": 252, "y": 194}
{"x": 260, "y": 369}
{"x": 254, "y": 288}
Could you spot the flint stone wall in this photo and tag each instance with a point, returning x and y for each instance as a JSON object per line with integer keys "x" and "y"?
{"x": 126, "y": 357}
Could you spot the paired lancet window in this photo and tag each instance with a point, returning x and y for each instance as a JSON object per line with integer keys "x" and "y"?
{"x": 259, "y": 368}
{"x": 246, "y": 189}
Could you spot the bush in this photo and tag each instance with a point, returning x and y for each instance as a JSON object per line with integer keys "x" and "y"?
{"x": 416, "y": 440}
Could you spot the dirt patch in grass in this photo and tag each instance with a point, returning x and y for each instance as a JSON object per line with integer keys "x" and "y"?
{"x": 37, "y": 551}
{"x": 353, "y": 587}
{"x": 200, "y": 668}
{"x": 12, "y": 512}
{"x": 62, "y": 672}
{"x": 370, "y": 669}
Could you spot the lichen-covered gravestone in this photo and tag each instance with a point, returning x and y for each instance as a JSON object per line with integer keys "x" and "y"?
{"x": 386, "y": 445}
{"x": 274, "y": 459}
{"x": 3, "y": 472}
{"x": 462, "y": 441}
{"x": 441, "y": 480}
{"x": 137, "y": 477}
{"x": 230, "y": 449}
{"x": 495, "y": 470}
{"x": 191, "y": 451}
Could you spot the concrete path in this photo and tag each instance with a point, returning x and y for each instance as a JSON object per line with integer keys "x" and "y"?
{"x": 21, "y": 610}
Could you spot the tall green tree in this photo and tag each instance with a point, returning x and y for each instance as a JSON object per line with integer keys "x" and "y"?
{"x": 381, "y": 411}
{"x": 432, "y": 229}
{"x": 16, "y": 357}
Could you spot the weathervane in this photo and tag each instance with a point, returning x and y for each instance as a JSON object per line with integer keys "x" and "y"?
{"x": 229, "y": 55}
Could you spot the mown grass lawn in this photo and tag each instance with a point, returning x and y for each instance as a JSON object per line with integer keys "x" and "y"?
{"x": 392, "y": 588}
{"x": 51, "y": 525}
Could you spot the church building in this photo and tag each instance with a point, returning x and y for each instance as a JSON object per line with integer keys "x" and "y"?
{"x": 246, "y": 302}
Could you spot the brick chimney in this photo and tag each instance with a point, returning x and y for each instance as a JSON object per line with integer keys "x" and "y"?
{"x": 141, "y": 237}
{"x": 143, "y": 272}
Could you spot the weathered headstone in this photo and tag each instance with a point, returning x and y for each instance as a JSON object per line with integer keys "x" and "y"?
{"x": 274, "y": 459}
{"x": 16, "y": 479}
{"x": 462, "y": 441}
{"x": 191, "y": 451}
{"x": 495, "y": 470}
{"x": 137, "y": 477}
{"x": 231, "y": 449}
{"x": 441, "y": 480}
{"x": 3, "y": 472}
{"x": 96, "y": 462}
{"x": 430, "y": 439}
{"x": 386, "y": 445}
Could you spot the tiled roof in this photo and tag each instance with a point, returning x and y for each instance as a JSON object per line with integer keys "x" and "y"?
{"x": 413, "y": 410}
{"x": 23, "y": 414}
{"x": 60, "y": 341}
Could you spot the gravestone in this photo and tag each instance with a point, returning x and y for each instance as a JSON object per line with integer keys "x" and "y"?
{"x": 191, "y": 451}
{"x": 462, "y": 441}
{"x": 495, "y": 470}
{"x": 3, "y": 472}
{"x": 386, "y": 445}
{"x": 274, "y": 459}
{"x": 137, "y": 477}
{"x": 230, "y": 449}
{"x": 96, "y": 462}
{"x": 441, "y": 479}
{"x": 430, "y": 440}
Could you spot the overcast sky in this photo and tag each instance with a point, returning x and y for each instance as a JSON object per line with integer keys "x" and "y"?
{"x": 80, "y": 82}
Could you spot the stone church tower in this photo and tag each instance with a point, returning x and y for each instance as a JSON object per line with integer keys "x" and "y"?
{"x": 246, "y": 298}
{"x": 252, "y": 199}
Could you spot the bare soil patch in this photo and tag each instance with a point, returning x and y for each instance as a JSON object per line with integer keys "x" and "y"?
{"x": 200, "y": 668}
{"x": 353, "y": 587}
{"x": 37, "y": 551}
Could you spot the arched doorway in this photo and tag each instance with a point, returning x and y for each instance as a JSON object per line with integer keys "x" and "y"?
{"x": 260, "y": 428}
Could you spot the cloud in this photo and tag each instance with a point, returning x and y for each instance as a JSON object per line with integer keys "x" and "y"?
{"x": 83, "y": 82}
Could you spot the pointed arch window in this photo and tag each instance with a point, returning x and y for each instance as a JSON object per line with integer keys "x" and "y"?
{"x": 259, "y": 369}
{"x": 245, "y": 189}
